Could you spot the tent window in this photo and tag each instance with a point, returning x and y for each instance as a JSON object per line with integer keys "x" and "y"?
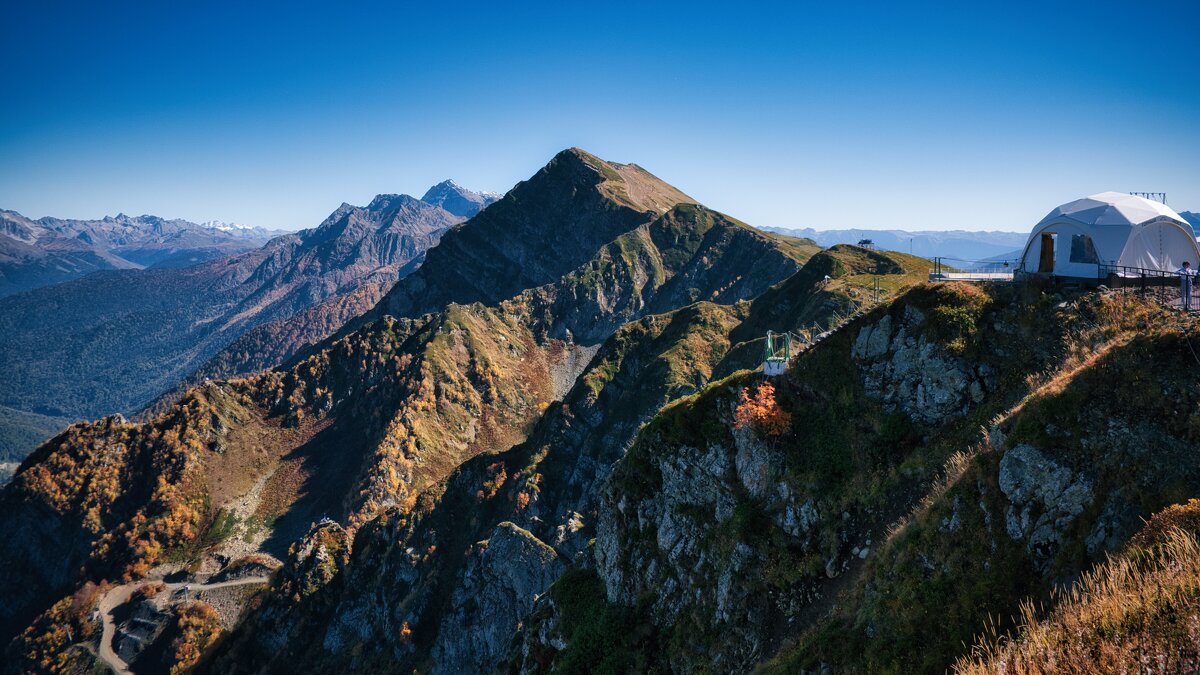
{"x": 1083, "y": 249}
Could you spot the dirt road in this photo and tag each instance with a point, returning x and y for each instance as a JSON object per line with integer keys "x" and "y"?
{"x": 120, "y": 595}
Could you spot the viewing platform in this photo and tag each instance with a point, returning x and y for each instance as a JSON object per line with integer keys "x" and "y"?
{"x": 935, "y": 275}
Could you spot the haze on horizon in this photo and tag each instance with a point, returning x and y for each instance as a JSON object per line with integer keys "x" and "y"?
{"x": 914, "y": 117}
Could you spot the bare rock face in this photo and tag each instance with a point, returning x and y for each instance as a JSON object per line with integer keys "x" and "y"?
{"x": 675, "y": 541}
{"x": 503, "y": 578}
{"x": 1045, "y": 498}
{"x": 541, "y": 638}
{"x": 908, "y": 370}
{"x": 318, "y": 558}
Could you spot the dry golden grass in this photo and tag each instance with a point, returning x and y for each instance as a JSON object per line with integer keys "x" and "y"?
{"x": 1137, "y": 613}
{"x": 254, "y": 445}
{"x": 641, "y": 189}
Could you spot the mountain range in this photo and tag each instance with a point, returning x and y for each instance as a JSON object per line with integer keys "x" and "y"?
{"x": 961, "y": 245}
{"x": 114, "y": 340}
{"x": 551, "y": 448}
{"x": 961, "y": 248}
{"x": 36, "y": 253}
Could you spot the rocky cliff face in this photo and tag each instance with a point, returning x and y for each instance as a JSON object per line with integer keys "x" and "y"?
{"x": 503, "y": 576}
{"x": 912, "y": 373}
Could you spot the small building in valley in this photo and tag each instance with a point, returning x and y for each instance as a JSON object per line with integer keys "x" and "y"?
{"x": 1109, "y": 233}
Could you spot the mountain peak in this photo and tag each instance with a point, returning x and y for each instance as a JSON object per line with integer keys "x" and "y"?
{"x": 539, "y": 231}
{"x": 457, "y": 199}
{"x": 386, "y": 201}
{"x": 628, "y": 184}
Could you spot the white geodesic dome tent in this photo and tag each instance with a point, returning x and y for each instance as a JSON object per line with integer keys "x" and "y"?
{"x": 1113, "y": 230}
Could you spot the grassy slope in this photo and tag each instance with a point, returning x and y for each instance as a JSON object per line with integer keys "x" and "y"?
{"x": 875, "y": 466}
{"x": 1141, "y": 607}
{"x": 933, "y": 588}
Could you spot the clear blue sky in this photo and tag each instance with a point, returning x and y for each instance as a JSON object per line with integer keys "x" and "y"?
{"x": 962, "y": 115}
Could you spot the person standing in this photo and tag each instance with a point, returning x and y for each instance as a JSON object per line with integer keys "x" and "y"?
{"x": 1186, "y": 276}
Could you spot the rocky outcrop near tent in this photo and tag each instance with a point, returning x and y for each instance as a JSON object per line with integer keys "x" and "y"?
{"x": 1044, "y": 497}
{"x": 910, "y": 371}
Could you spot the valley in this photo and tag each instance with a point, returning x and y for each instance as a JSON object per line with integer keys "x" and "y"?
{"x": 115, "y": 341}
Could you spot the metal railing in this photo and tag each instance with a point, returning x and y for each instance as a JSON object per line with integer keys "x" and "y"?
{"x": 1166, "y": 288}
{"x": 962, "y": 269}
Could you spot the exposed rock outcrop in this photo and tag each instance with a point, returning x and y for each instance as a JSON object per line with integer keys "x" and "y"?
{"x": 1045, "y": 497}
{"x": 503, "y": 577}
{"x": 907, "y": 369}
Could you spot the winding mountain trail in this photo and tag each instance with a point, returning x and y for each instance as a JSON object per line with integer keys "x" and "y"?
{"x": 120, "y": 595}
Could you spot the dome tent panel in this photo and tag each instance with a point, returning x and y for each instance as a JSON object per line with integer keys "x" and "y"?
{"x": 1161, "y": 245}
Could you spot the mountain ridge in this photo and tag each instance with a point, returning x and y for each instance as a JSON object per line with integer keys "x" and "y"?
{"x": 37, "y": 253}
{"x": 403, "y": 399}
{"x": 152, "y": 327}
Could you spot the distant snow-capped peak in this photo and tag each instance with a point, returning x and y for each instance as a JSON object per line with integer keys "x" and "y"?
{"x": 226, "y": 227}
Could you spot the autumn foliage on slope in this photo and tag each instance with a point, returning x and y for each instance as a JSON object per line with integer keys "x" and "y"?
{"x": 761, "y": 411}
{"x": 44, "y": 646}
{"x": 198, "y": 626}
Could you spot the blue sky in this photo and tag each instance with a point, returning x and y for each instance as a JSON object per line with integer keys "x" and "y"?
{"x": 933, "y": 116}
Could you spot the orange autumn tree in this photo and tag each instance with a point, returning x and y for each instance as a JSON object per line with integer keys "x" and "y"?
{"x": 762, "y": 411}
